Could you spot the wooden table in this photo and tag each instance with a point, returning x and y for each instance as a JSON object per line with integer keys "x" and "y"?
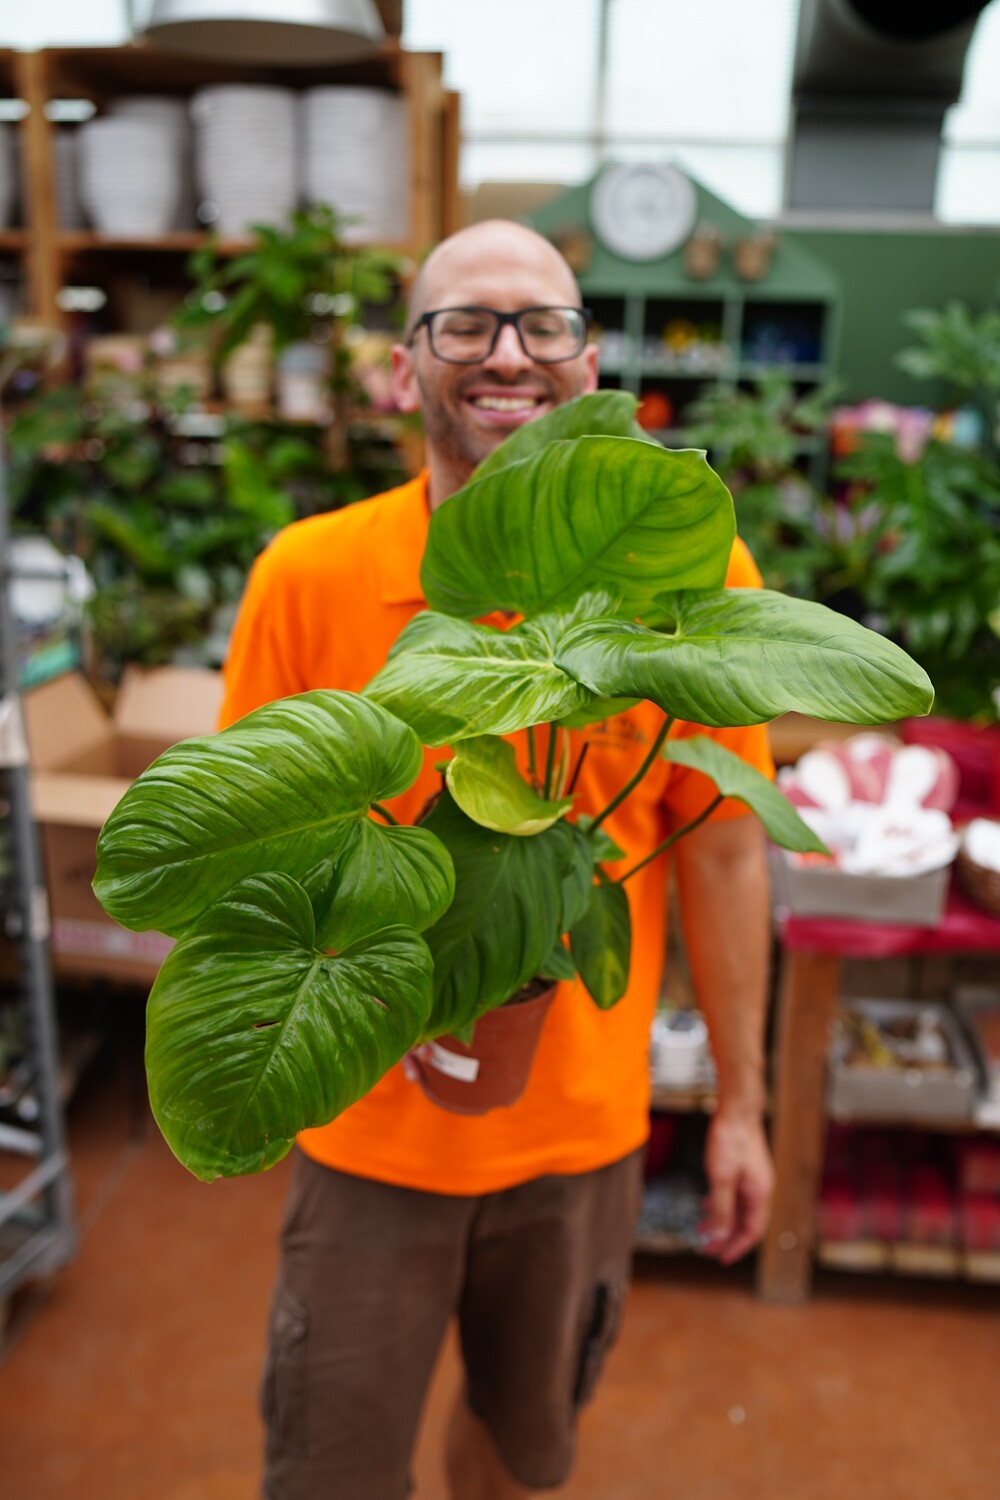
{"x": 811, "y": 951}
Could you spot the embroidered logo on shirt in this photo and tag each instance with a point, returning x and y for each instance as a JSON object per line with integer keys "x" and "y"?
{"x": 618, "y": 733}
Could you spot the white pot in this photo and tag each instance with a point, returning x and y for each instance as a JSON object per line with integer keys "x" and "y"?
{"x": 69, "y": 209}
{"x": 173, "y": 116}
{"x": 356, "y": 158}
{"x": 130, "y": 175}
{"x": 246, "y": 160}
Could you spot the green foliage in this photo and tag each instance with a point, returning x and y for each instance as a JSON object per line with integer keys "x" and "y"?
{"x": 958, "y": 348}
{"x": 484, "y": 781}
{"x": 601, "y": 944}
{"x": 734, "y": 778}
{"x": 744, "y": 656}
{"x": 758, "y": 432}
{"x": 911, "y": 545}
{"x": 281, "y": 790}
{"x": 513, "y": 897}
{"x": 592, "y": 513}
{"x": 931, "y": 574}
{"x": 754, "y": 439}
{"x": 167, "y": 527}
{"x": 256, "y": 847}
{"x": 360, "y": 1008}
{"x": 294, "y": 280}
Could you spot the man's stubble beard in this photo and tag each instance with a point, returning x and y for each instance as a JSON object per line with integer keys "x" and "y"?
{"x": 456, "y": 439}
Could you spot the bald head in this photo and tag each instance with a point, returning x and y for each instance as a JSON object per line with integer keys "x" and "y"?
{"x": 470, "y": 406}
{"x": 495, "y": 247}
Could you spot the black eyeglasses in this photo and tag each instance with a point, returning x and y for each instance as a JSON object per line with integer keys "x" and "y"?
{"x": 467, "y": 335}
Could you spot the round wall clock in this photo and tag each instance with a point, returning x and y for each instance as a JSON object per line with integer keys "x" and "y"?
{"x": 642, "y": 211}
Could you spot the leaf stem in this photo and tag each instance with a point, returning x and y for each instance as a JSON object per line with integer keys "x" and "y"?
{"x": 532, "y": 754}
{"x": 550, "y": 759}
{"x": 678, "y": 834}
{"x": 577, "y": 769}
{"x": 384, "y": 812}
{"x": 630, "y": 786}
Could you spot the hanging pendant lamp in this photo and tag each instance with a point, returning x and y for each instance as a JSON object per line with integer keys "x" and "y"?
{"x": 267, "y": 31}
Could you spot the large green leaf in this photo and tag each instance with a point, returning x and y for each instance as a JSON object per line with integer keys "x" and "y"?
{"x": 734, "y": 778}
{"x": 279, "y": 790}
{"x": 449, "y": 679}
{"x": 601, "y": 945}
{"x": 609, "y": 412}
{"x": 513, "y": 899}
{"x": 596, "y": 710}
{"x": 558, "y": 965}
{"x": 253, "y": 1033}
{"x": 743, "y": 656}
{"x": 380, "y": 877}
{"x": 592, "y": 513}
{"x": 484, "y": 780}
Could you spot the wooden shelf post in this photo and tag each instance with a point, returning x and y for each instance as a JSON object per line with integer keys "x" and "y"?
{"x": 38, "y": 175}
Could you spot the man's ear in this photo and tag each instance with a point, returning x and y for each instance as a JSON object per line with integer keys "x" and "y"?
{"x": 590, "y": 356}
{"x": 405, "y": 390}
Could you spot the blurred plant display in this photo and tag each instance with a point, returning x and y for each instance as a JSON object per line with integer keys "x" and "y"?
{"x": 908, "y": 537}
{"x": 168, "y": 491}
{"x": 754, "y": 438}
{"x": 958, "y": 348}
{"x": 166, "y": 524}
{"x": 164, "y": 536}
{"x": 932, "y": 579}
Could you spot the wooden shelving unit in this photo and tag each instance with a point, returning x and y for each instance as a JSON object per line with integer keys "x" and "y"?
{"x": 99, "y": 74}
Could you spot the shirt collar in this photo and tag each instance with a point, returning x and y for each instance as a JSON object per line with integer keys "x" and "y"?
{"x": 404, "y": 515}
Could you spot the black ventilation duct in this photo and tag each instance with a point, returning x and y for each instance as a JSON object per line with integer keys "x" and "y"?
{"x": 872, "y": 82}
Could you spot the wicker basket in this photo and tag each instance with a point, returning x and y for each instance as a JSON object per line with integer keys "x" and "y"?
{"x": 980, "y": 882}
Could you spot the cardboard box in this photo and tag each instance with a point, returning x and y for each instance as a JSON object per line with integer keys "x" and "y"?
{"x": 82, "y": 763}
{"x": 822, "y": 891}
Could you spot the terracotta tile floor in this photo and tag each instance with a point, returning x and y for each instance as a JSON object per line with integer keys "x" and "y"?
{"x": 132, "y": 1375}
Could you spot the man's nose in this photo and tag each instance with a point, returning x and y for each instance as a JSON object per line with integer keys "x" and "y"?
{"x": 508, "y": 357}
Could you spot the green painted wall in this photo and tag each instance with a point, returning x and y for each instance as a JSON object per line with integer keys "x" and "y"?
{"x": 884, "y": 273}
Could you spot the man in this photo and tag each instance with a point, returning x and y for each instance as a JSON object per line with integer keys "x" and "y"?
{"x": 520, "y": 1221}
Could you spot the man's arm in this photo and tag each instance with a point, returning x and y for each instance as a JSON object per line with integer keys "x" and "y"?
{"x": 722, "y": 880}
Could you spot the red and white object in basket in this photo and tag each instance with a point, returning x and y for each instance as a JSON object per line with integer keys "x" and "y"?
{"x": 880, "y": 806}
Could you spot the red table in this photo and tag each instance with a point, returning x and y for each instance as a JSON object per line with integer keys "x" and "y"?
{"x": 811, "y": 952}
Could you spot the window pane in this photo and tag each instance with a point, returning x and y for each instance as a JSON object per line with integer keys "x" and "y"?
{"x": 521, "y": 66}
{"x": 716, "y": 71}
{"x": 968, "y": 185}
{"x": 976, "y": 116}
{"x": 749, "y": 178}
{"x": 62, "y": 23}
{"x": 540, "y": 161}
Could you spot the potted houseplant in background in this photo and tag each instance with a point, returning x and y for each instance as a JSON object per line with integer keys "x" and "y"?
{"x": 299, "y": 296}
{"x": 318, "y": 941}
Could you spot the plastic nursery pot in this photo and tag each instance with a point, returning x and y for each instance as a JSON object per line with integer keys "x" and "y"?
{"x": 491, "y": 1072}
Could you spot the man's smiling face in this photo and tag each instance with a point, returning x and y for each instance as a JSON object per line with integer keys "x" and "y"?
{"x": 469, "y": 409}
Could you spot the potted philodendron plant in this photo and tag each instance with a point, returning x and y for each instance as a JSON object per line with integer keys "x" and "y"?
{"x": 318, "y": 942}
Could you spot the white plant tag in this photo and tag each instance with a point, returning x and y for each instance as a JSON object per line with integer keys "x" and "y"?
{"x": 455, "y": 1064}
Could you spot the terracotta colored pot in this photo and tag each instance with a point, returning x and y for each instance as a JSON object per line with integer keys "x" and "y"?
{"x": 492, "y": 1072}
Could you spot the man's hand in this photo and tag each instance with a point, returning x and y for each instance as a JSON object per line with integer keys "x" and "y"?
{"x": 741, "y": 1184}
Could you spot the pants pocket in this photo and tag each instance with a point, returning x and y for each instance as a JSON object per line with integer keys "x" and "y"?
{"x": 601, "y": 1332}
{"x": 285, "y": 1386}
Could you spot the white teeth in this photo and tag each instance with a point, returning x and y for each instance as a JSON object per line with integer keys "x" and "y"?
{"x": 504, "y": 403}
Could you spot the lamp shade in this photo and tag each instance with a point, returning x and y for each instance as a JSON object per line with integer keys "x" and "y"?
{"x": 267, "y": 31}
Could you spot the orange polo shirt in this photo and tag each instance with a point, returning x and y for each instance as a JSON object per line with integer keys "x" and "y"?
{"x": 323, "y": 605}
